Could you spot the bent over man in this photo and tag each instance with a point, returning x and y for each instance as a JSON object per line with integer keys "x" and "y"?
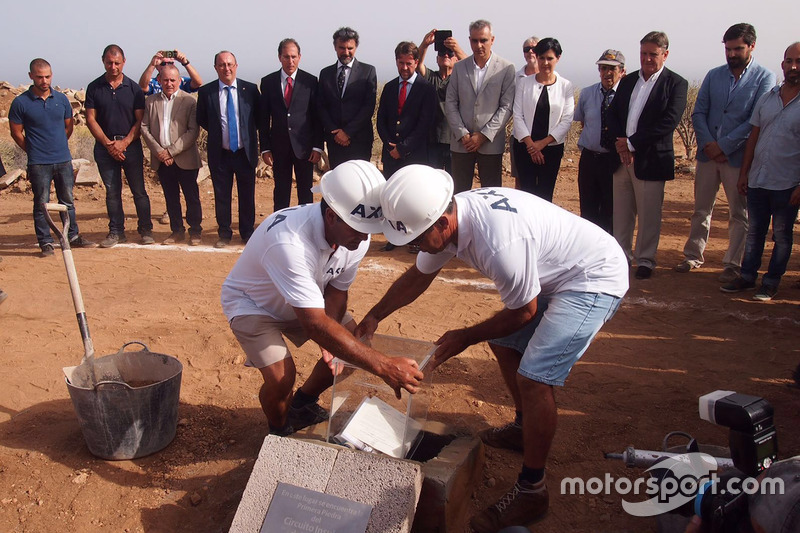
{"x": 560, "y": 278}
{"x": 292, "y": 281}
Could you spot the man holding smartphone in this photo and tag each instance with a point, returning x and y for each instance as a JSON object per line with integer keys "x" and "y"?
{"x": 448, "y": 52}
{"x": 114, "y": 111}
{"x": 150, "y": 84}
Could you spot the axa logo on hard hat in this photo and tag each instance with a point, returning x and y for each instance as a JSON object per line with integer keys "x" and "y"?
{"x": 375, "y": 212}
{"x": 397, "y": 226}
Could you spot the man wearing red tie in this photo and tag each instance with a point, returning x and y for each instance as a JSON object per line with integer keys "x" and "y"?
{"x": 405, "y": 113}
{"x": 289, "y": 127}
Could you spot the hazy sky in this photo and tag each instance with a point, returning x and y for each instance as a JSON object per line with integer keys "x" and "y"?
{"x": 72, "y": 37}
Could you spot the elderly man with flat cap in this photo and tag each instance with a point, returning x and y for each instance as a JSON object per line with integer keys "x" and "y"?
{"x": 599, "y": 158}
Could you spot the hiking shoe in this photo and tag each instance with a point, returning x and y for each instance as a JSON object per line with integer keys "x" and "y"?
{"x": 164, "y": 218}
{"x": 112, "y": 239}
{"x": 728, "y": 275}
{"x": 222, "y": 243}
{"x": 765, "y": 293}
{"x": 48, "y": 250}
{"x": 308, "y": 415}
{"x": 175, "y": 236}
{"x": 523, "y": 505}
{"x": 282, "y": 432}
{"x": 685, "y": 266}
{"x": 81, "y": 242}
{"x": 147, "y": 239}
{"x": 508, "y": 437}
{"x": 738, "y": 285}
{"x": 195, "y": 240}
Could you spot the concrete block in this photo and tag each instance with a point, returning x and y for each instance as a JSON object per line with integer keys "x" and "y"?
{"x": 303, "y": 464}
{"x": 10, "y": 177}
{"x": 88, "y": 175}
{"x": 450, "y": 479}
{"x": 390, "y": 485}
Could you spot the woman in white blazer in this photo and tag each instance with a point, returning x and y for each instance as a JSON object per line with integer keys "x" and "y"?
{"x": 543, "y": 109}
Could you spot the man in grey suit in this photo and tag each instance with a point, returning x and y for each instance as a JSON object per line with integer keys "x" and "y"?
{"x": 478, "y": 106}
{"x": 169, "y": 127}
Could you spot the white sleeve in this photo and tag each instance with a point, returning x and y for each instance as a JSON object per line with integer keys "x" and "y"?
{"x": 293, "y": 276}
{"x": 515, "y": 280}
{"x": 430, "y": 263}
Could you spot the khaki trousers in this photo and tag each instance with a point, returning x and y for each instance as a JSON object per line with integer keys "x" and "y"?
{"x": 708, "y": 177}
{"x": 637, "y": 202}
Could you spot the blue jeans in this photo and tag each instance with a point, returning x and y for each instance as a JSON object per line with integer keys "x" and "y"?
{"x": 111, "y": 173}
{"x": 764, "y": 205}
{"x": 41, "y": 176}
{"x": 564, "y": 326}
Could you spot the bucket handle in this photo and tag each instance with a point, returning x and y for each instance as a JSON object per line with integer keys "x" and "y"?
{"x": 140, "y": 343}
{"x": 101, "y": 384}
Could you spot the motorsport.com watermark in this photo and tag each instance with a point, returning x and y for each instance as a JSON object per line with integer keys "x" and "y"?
{"x": 689, "y": 475}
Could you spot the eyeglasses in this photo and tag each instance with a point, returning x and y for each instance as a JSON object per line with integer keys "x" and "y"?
{"x": 446, "y": 53}
{"x": 528, "y": 49}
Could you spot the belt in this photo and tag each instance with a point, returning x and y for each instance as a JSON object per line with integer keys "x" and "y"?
{"x": 596, "y": 154}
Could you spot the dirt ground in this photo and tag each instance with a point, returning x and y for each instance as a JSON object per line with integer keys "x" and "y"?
{"x": 675, "y": 338}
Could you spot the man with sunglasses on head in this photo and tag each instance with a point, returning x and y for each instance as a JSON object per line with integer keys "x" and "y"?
{"x": 446, "y": 58}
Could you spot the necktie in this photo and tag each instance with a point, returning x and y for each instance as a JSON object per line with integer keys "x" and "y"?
{"x": 233, "y": 125}
{"x": 287, "y": 93}
{"x": 340, "y": 81}
{"x": 605, "y": 135}
{"x": 401, "y": 100}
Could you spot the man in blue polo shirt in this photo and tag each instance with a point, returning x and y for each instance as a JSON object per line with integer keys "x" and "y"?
{"x": 114, "y": 111}
{"x": 41, "y": 122}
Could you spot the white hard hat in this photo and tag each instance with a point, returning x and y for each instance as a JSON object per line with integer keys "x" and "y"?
{"x": 412, "y": 200}
{"x": 353, "y": 191}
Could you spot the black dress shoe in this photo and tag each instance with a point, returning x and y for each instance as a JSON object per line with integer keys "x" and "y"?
{"x": 643, "y": 272}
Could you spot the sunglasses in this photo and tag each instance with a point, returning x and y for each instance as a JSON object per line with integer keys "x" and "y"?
{"x": 527, "y": 49}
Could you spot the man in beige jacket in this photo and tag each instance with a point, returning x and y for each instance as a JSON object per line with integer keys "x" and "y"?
{"x": 169, "y": 128}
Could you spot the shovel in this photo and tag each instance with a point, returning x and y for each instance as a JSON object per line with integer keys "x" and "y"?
{"x": 109, "y": 374}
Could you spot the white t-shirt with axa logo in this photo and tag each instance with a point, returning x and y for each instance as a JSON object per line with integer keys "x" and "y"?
{"x": 528, "y": 246}
{"x": 288, "y": 263}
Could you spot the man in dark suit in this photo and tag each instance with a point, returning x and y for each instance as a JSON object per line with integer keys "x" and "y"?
{"x": 642, "y": 118}
{"x": 347, "y": 93}
{"x": 290, "y": 131}
{"x": 228, "y": 110}
{"x": 405, "y": 113}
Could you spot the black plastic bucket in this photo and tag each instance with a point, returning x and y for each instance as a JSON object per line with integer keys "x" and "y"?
{"x": 131, "y": 419}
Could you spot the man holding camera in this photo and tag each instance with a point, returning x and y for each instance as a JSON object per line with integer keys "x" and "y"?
{"x": 114, "y": 111}
{"x": 448, "y": 52}
{"x": 151, "y": 85}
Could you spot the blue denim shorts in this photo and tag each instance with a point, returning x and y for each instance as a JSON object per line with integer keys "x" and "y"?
{"x": 564, "y": 326}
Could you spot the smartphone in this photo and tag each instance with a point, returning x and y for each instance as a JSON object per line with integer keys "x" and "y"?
{"x": 169, "y": 53}
{"x": 439, "y": 38}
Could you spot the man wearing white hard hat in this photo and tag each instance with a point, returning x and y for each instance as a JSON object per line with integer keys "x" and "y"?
{"x": 560, "y": 278}
{"x": 292, "y": 281}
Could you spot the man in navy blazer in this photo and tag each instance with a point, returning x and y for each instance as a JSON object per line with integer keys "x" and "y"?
{"x": 642, "y": 117}
{"x": 721, "y": 120}
{"x": 346, "y": 102}
{"x": 290, "y": 131}
{"x": 228, "y": 109}
{"x": 405, "y": 113}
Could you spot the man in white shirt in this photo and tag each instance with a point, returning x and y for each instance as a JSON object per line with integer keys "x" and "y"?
{"x": 478, "y": 106}
{"x": 292, "y": 281}
{"x": 643, "y": 116}
{"x": 560, "y": 278}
